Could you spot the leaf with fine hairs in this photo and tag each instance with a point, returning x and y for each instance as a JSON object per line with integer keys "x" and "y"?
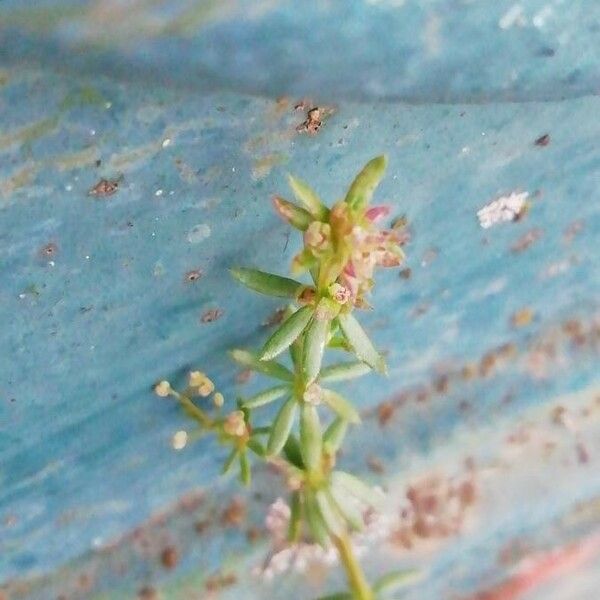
{"x": 341, "y": 406}
{"x": 267, "y": 283}
{"x": 309, "y": 198}
{"x": 287, "y": 333}
{"x": 311, "y": 439}
{"x": 268, "y": 367}
{"x": 266, "y": 396}
{"x": 361, "y": 191}
{"x": 314, "y": 345}
{"x": 281, "y": 427}
{"x": 360, "y": 342}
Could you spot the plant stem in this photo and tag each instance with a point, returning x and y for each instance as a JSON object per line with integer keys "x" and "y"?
{"x": 354, "y": 573}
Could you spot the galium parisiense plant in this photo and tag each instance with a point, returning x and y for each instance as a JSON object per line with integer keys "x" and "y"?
{"x": 342, "y": 247}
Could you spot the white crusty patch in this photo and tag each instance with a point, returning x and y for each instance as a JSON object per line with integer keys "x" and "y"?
{"x": 503, "y": 209}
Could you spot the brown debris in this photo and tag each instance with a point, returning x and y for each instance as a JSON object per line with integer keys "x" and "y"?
{"x": 275, "y": 318}
{"x": 375, "y": 464}
{"x": 522, "y": 317}
{"x": 48, "y": 250}
{"x": 193, "y": 275}
{"x": 405, "y": 273}
{"x": 572, "y": 230}
{"x": 105, "y": 187}
{"x": 543, "y": 140}
{"x": 527, "y": 240}
{"x": 147, "y": 593}
{"x": 217, "y": 582}
{"x": 211, "y": 315}
{"x": 385, "y": 412}
{"x": 234, "y": 513}
{"x": 314, "y": 119}
{"x": 243, "y": 376}
{"x": 169, "y": 557}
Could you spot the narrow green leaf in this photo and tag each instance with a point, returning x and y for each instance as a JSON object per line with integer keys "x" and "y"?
{"x": 282, "y": 426}
{"x": 296, "y": 352}
{"x": 230, "y": 460}
{"x": 361, "y": 191}
{"x": 311, "y": 440}
{"x": 256, "y": 447}
{"x": 245, "y": 474}
{"x": 339, "y": 342}
{"x": 292, "y": 451}
{"x": 331, "y": 516}
{"x": 314, "y": 345}
{"x": 347, "y": 507}
{"x": 360, "y": 342}
{"x": 347, "y": 483}
{"x": 315, "y": 519}
{"x": 267, "y": 283}
{"x": 295, "y": 215}
{"x": 344, "y": 371}
{"x": 390, "y": 582}
{"x": 287, "y": 333}
{"x": 341, "y": 406}
{"x": 268, "y": 367}
{"x": 309, "y": 198}
{"x": 295, "y": 517}
{"x": 266, "y": 396}
{"x": 334, "y": 435}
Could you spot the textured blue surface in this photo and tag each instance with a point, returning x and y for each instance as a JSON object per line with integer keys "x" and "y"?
{"x": 94, "y": 301}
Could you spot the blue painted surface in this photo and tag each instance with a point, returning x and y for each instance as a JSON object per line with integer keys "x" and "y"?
{"x": 85, "y": 450}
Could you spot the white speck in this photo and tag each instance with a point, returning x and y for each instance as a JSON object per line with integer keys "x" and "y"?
{"x": 539, "y": 20}
{"x": 166, "y": 142}
{"x": 68, "y": 187}
{"x": 233, "y": 169}
{"x": 92, "y": 132}
{"x": 158, "y": 193}
{"x": 171, "y": 192}
{"x": 92, "y": 347}
{"x": 503, "y": 209}
{"x": 483, "y": 133}
{"x": 51, "y": 263}
{"x": 465, "y": 149}
{"x": 198, "y": 233}
{"x": 179, "y": 440}
{"x": 514, "y": 16}
{"x": 153, "y": 234}
{"x": 107, "y": 105}
{"x": 22, "y": 296}
{"x": 97, "y": 542}
{"x": 87, "y": 257}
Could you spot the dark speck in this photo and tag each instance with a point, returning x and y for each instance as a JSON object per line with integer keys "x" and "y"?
{"x": 543, "y": 140}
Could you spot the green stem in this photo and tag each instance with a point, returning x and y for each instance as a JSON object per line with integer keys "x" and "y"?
{"x": 361, "y": 590}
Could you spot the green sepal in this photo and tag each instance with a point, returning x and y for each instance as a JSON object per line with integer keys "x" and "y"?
{"x": 314, "y": 346}
{"x": 266, "y": 397}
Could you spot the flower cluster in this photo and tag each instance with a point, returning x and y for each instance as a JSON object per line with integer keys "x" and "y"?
{"x": 342, "y": 246}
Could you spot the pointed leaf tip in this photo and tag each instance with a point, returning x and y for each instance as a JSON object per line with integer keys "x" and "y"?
{"x": 287, "y": 333}
{"x": 267, "y": 283}
{"x": 361, "y": 191}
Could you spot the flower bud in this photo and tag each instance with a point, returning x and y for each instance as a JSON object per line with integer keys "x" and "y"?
{"x": 162, "y": 389}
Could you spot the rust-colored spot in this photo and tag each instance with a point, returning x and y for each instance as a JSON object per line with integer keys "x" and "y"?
{"x": 49, "y": 250}
{"x": 385, "y": 412}
{"x": 147, "y": 593}
{"x": 193, "y": 275}
{"x": 442, "y": 384}
{"x": 275, "y": 318}
{"x": 527, "y": 240}
{"x": 243, "y": 376}
{"x": 543, "y": 140}
{"x": 253, "y": 534}
{"x": 234, "y": 513}
{"x": 522, "y": 317}
{"x": 217, "y": 582}
{"x": 211, "y": 315}
{"x": 201, "y": 526}
{"x": 375, "y": 464}
{"x": 572, "y": 230}
{"x": 105, "y": 187}
{"x": 169, "y": 557}
{"x": 405, "y": 273}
